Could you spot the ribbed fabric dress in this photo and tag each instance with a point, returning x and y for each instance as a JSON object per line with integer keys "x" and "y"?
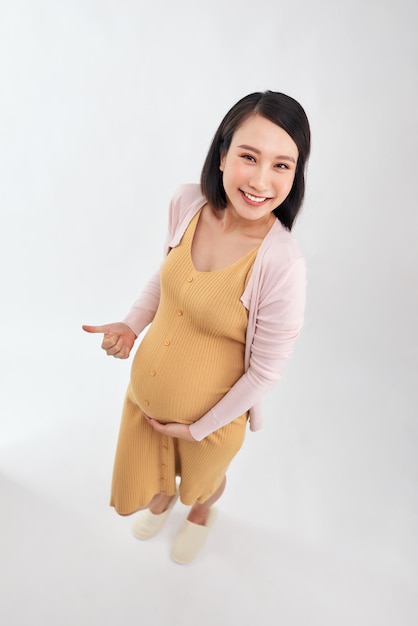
{"x": 190, "y": 357}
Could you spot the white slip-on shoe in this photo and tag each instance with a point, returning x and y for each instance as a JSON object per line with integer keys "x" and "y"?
{"x": 190, "y": 539}
{"x": 148, "y": 524}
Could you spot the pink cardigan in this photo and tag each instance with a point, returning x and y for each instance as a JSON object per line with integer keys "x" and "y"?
{"x": 274, "y": 297}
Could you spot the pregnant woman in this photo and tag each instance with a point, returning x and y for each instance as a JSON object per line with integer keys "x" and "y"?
{"x": 224, "y": 310}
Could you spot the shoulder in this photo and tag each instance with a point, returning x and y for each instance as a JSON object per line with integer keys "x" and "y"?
{"x": 187, "y": 196}
{"x": 280, "y": 249}
{"x": 279, "y": 268}
{"x": 186, "y": 201}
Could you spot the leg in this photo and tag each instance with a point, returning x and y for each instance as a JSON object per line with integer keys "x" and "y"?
{"x": 152, "y": 519}
{"x": 199, "y": 512}
{"x": 159, "y": 503}
{"x": 203, "y": 464}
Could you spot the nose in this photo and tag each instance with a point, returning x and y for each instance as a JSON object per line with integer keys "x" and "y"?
{"x": 260, "y": 178}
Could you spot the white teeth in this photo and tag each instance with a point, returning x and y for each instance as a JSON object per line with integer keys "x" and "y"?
{"x": 253, "y": 198}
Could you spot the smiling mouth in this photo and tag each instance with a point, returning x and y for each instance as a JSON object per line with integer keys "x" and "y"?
{"x": 257, "y": 199}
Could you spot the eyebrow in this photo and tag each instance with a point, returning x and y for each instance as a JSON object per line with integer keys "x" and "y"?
{"x": 280, "y": 157}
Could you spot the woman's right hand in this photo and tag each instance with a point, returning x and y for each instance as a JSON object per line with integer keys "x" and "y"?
{"x": 118, "y": 338}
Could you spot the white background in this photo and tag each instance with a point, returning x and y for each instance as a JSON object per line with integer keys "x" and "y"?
{"x": 105, "y": 107}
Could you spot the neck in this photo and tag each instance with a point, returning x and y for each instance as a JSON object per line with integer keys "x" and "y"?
{"x": 231, "y": 222}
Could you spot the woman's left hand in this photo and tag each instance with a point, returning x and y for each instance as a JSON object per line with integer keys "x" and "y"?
{"x": 179, "y": 431}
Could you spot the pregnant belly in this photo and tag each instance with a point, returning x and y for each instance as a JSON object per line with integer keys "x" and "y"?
{"x": 178, "y": 386}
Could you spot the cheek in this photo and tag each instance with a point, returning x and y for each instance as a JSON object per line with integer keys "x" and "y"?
{"x": 285, "y": 187}
{"x": 228, "y": 173}
{"x": 236, "y": 170}
{"x": 290, "y": 182}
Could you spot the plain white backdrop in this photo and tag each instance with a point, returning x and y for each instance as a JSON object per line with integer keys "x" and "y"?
{"x": 105, "y": 107}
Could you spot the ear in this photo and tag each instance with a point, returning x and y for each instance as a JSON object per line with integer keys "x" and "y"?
{"x": 222, "y": 162}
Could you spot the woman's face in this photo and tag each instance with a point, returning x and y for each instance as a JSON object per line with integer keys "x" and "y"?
{"x": 259, "y": 168}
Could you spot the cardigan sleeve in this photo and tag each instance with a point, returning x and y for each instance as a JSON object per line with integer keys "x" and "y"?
{"x": 145, "y": 307}
{"x": 279, "y": 321}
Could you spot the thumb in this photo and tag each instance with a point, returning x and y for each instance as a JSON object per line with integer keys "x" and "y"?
{"x": 95, "y": 329}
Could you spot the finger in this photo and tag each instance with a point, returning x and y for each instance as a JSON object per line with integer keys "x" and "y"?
{"x": 155, "y": 424}
{"x": 114, "y": 346}
{"x": 121, "y": 354}
{"x": 124, "y": 353}
{"x": 110, "y": 342}
{"x": 95, "y": 329}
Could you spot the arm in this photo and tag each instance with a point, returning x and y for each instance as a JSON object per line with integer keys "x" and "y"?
{"x": 144, "y": 308}
{"x": 119, "y": 337}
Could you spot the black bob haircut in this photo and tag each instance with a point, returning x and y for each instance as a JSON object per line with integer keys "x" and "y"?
{"x": 279, "y": 109}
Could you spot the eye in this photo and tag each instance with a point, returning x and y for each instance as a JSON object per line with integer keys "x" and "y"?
{"x": 282, "y": 166}
{"x": 248, "y": 157}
